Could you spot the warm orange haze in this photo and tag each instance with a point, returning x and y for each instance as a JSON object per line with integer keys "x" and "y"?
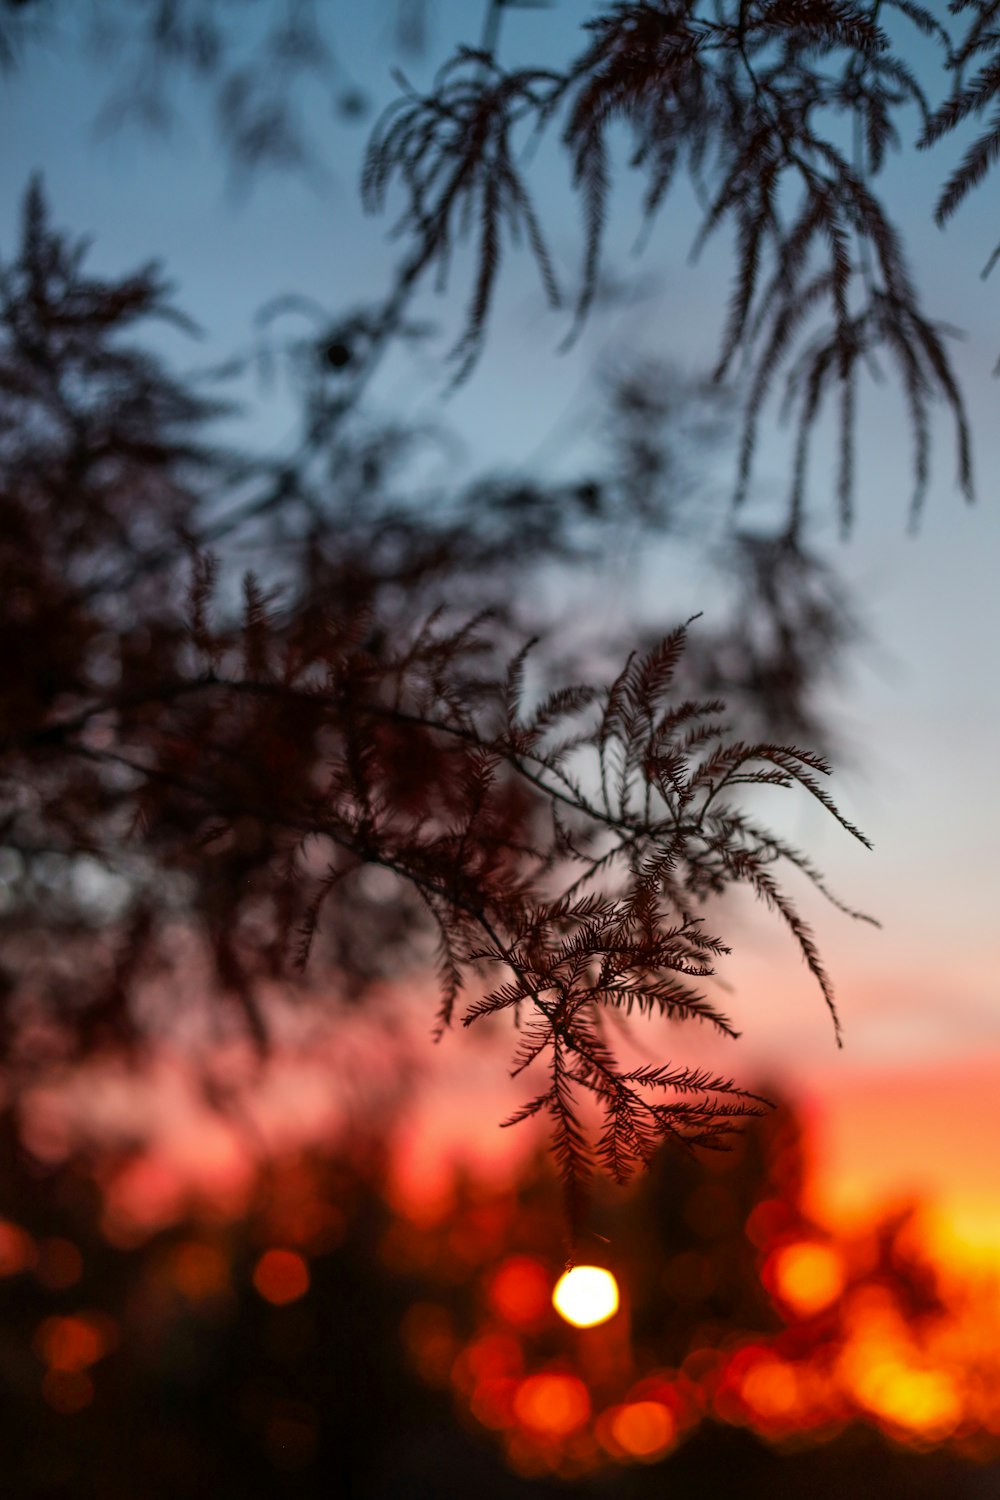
{"x": 784, "y": 1289}
{"x": 874, "y": 1323}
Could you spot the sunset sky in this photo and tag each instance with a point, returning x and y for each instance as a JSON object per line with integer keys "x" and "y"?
{"x": 911, "y": 1105}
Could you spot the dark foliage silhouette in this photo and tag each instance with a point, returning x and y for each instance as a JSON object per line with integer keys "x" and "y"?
{"x": 747, "y": 98}
{"x": 191, "y": 777}
{"x": 344, "y": 762}
{"x": 782, "y": 116}
{"x": 223, "y": 1389}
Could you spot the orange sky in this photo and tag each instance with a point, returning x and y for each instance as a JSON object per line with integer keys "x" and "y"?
{"x": 907, "y": 1109}
{"x": 928, "y": 1132}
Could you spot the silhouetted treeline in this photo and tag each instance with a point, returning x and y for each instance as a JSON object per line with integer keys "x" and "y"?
{"x": 316, "y": 1342}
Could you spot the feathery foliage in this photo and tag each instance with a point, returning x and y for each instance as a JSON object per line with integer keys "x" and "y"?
{"x": 751, "y": 100}
{"x": 243, "y": 778}
{"x": 334, "y": 767}
{"x": 236, "y": 770}
{"x": 453, "y": 149}
{"x": 780, "y": 114}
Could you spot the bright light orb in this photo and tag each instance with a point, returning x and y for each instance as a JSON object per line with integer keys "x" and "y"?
{"x": 809, "y": 1276}
{"x": 586, "y": 1296}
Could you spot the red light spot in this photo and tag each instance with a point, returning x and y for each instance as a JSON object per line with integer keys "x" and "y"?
{"x": 768, "y": 1220}
{"x": 494, "y": 1354}
{"x": 492, "y": 1402}
{"x": 17, "y": 1249}
{"x": 281, "y": 1276}
{"x": 69, "y": 1345}
{"x": 552, "y": 1405}
{"x": 519, "y": 1291}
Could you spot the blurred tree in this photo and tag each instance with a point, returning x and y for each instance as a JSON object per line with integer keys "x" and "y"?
{"x": 187, "y": 780}
{"x": 355, "y": 765}
{"x": 271, "y": 1353}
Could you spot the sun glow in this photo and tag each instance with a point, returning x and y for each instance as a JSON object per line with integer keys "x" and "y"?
{"x": 586, "y": 1296}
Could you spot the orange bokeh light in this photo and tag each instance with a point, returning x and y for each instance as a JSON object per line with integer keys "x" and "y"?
{"x": 519, "y": 1291}
{"x": 643, "y": 1429}
{"x": 281, "y": 1277}
{"x": 552, "y": 1404}
{"x": 808, "y": 1276}
{"x": 922, "y": 1401}
{"x": 771, "y": 1388}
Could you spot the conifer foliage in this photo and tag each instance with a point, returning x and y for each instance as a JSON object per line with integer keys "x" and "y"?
{"x": 335, "y": 767}
{"x": 187, "y": 773}
{"x": 781, "y": 113}
{"x": 751, "y": 98}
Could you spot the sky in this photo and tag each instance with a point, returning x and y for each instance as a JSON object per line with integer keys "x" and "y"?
{"x": 910, "y": 1103}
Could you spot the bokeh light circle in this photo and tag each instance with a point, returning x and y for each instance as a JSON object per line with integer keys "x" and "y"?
{"x": 281, "y": 1276}
{"x": 808, "y": 1276}
{"x": 586, "y": 1296}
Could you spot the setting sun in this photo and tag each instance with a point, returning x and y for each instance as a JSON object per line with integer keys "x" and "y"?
{"x": 586, "y": 1296}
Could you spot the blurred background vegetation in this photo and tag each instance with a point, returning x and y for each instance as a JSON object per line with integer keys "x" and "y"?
{"x": 323, "y": 1338}
{"x": 315, "y": 1333}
